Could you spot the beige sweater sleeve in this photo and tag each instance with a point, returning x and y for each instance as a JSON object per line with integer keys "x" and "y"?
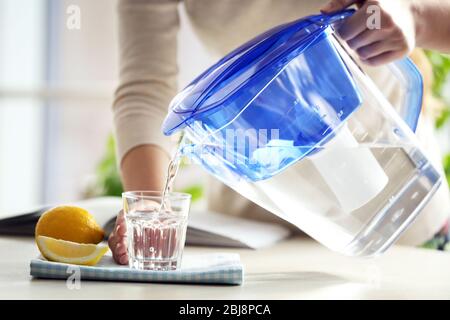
{"x": 147, "y": 72}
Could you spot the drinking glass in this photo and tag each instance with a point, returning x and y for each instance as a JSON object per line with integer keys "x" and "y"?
{"x": 156, "y": 233}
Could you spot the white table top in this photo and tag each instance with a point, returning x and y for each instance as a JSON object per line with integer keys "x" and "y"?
{"x": 298, "y": 268}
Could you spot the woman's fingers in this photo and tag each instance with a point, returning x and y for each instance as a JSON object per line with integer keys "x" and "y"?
{"x": 353, "y": 25}
{"x": 336, "y": 5}
{"x": 117, "y": 234}
{"x": 123, "y": 259}
{"x": 121, "y": 255}
{"x": 384, "y": 58}
{"x": 391, "y": 40}
{"x": 366, "y": 38}
{"x": 120, "y": 217}
{"x": 118, "y": 248}
{"x": 121, "y": 248}
{"x": 112, "y": 242}
{"x": 121, "y": 229}
{"x": 377, "y": 48}
{"x": 117, "y": 240}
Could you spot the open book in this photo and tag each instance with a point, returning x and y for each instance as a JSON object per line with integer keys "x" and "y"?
{"x": 205, "y": 228}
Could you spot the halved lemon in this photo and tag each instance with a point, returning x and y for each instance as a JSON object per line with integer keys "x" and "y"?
{"x": 69, "y": 223}
{"x": 70, "y": 252}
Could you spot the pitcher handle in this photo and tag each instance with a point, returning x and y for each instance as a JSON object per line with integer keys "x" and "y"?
{"x": 409, "y": 76}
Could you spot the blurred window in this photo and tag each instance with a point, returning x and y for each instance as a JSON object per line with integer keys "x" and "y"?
{"x": 22, "y": 75}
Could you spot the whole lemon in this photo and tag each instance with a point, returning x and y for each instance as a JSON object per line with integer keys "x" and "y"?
{"x": 69, "y": 223}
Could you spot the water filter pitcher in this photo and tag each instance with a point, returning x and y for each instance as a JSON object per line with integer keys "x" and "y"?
{"x": 290, "y": 121}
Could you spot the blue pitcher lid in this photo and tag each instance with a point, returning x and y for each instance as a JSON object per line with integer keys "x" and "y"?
{"x": 240, "y": 69}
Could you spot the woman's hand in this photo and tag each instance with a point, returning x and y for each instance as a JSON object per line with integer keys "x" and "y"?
{"x": 393, "y": 39}
{"x": 117, "y": 240}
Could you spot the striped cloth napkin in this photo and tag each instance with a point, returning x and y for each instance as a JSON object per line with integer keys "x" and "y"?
{"x": 214, "y": 268}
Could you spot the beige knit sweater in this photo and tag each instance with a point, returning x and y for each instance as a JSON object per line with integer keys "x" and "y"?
{"x": 148, "y": 78}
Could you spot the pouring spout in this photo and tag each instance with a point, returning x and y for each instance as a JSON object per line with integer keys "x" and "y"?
{"x": 189, "y": 149}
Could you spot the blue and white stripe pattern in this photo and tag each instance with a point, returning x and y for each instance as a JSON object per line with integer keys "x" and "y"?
{"x": 214, "y": 268}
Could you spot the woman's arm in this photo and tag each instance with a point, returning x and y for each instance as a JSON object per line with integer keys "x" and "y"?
{"x": 144, "y": 168}
{"x": 432, "y": 19}
{"x": 148, "y": 72}
{"x": 404, "y": 24}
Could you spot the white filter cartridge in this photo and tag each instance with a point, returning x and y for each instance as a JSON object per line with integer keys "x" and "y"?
{"x": 351, "y": 172}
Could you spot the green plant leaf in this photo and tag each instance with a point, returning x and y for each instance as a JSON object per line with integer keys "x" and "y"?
{"x": 196, "y": 191}
{"x": 446, "y": 163}
{"x": 443, "y": 118}
{"x": 441, "y": 70}
{"x": 108, "y": 178}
